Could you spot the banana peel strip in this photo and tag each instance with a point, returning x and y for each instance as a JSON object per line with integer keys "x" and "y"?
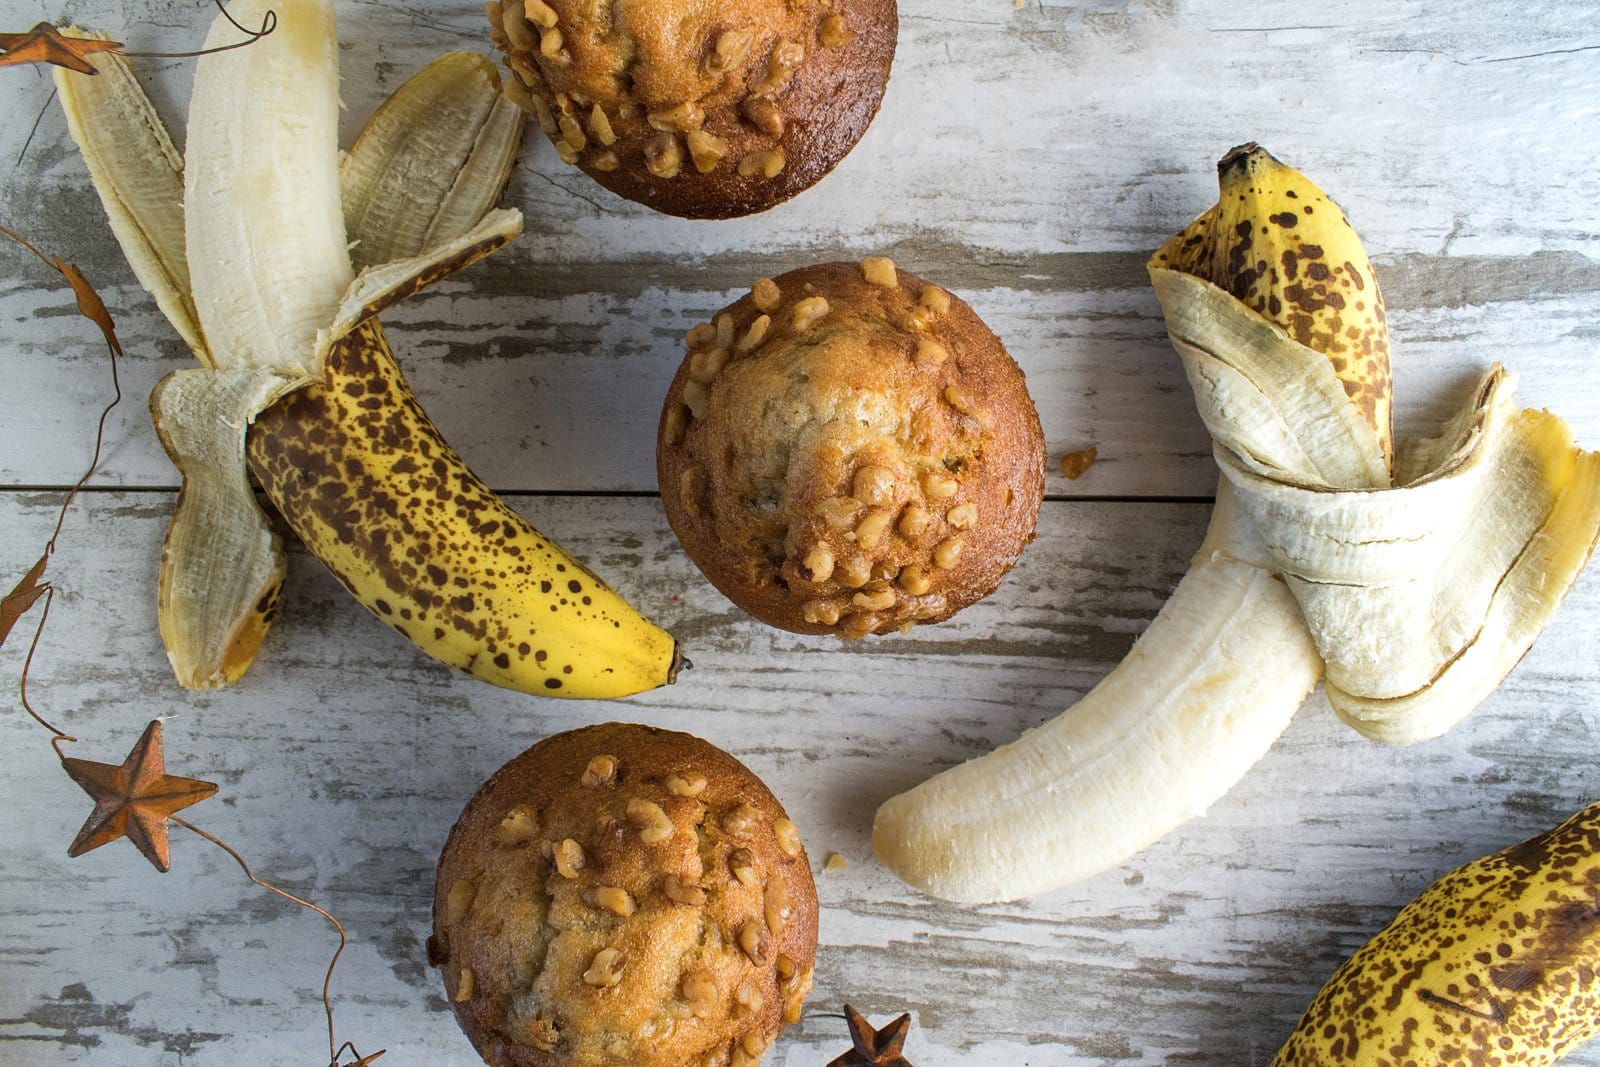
{"x": 222, "y": 562}
{"x": 139, "y": 176}
{"x": 1419, "y": 597}
{"x": 430, "y": 162}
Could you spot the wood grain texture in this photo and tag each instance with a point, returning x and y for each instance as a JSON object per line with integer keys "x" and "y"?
{"x": 345, "y": 757}
{"x": 1029, "y": 158}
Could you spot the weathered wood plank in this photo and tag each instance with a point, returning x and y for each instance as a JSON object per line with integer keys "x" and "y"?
{"x": 344, "y": 758}
{"x": 1029, "y": 158}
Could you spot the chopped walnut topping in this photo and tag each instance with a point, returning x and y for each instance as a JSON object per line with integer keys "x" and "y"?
{"x": 754, "y": 942}
{"x": 680, "y": 892}
{"x": 872, "y": 483}
{"x": 615, "y": 900}
{"x": 568, "y": 857}
{"x": 934, "y": 299}
{"x": 839, "y": 511}
{"x": 464, "y": 986}
{"x": 550, "y": 43}
{"x": 724, "y": 329}
{"x": 730, "y": 49}
{"x": 515, "y": 25}
{"x": 775, "y": 908}
{"x": 700, "y": 990}
{"x": 765, "y": 295}
{"x": 876, "y": 597}
{"x": 742, "y": 864}
{"x": 600, "y": 126}
{"x": 662, "y": 156}
{"x": 880, "y": 271}
{"x": 681, "y": 119}
{"x": 788, "y": 836}
{"x": 962, "y": 517}
{"x": 700, "y": 335}
{"x": 686, "y": 785}
{"x": 696, "y": 397}
{"x": 602, "y": 770}
{"x": 459, "y": 900}
{"x": 854, "y": 572}
{"x": 834, "y": 862}
{"x": 819, "y": 563}
{"x": 654, "y": 826}
{"x": 821, "y": 612}
{"x": 706, "y": 150}
{"x": 870, "y": 530}
{"x": 605, "y": 970}
{"x": 939, "y": 487}
{"x": 605, "y": 161}
{"x": 834, "y": 33}
{"x": 768, "y": 163}
{"x": 764, "y": 115}
{"x": 808, "y": 311}
{"x": 573, "y": 134}
{"x": 931, "y": 353}
{"x": 688, "y": 485}
{"x": 1075, "y": 464}
{"x": 913, "y": 521}
{"x": 915, "y": 580}
{"x": 785, "y": 966}
{"x": 748, "y": 998}
{"x": 755, "y": 334}
{"x": 517, "y": 828}
{"x": 566, "y": 153}
{"x": 540, "y": 13}
{"x": 947, "y": 552}
{"x": 672, "y": 429}
{"x": 781, "y": 65}
{"x": 706, "y": 363}
{"x": 743, "y": 820}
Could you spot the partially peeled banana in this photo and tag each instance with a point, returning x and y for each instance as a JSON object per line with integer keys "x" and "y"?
{"x": 273, "y": 259}
{"x": 1416, "y": 599}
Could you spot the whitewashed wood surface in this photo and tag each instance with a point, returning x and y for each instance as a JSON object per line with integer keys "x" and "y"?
{"x": 1027, "y": 157}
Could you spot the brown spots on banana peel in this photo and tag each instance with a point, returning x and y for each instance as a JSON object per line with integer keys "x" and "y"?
{"x": 363, "y": 477}
{"x": 1497, "y": 963}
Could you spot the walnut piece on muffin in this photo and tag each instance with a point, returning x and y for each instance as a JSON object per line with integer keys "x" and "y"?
{"x": 624, "y": 896}
{"x": 709, "y": 110}
{"x": 849, "y": 450}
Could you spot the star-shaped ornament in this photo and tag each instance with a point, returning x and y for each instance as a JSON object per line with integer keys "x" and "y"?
{"x": 46, "y": 44}
{"x": 134, "y": 800}
{"x": 874, "y": 1048}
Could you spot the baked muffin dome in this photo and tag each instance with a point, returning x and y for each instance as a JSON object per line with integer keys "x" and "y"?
{"x": 850, "y": 450}
{"x": 624, "y": 896}
{"x": 707, "y": 110}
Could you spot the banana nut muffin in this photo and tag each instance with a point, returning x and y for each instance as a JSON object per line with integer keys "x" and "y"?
{"x": 707, "y": 110}
{"x": 850, "y": 450}
{"x": 624, "y": 896}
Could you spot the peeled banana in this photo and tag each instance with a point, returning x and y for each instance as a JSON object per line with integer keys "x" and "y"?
{"x": 1413, "y": 589}
{"x": 272, "y": 257}
{"x": 1494, "y": 964}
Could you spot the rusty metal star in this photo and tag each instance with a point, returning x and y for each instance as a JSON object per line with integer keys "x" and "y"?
{"x": 134, "y": 800}
{"x": 46, "y": 44}
{"x": 874, "y": 1048}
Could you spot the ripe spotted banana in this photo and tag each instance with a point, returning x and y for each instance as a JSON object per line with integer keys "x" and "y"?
{"x": 1495, "y": 964}
{"x": 274, "y": 271}
{"x": 1415, "y": 600}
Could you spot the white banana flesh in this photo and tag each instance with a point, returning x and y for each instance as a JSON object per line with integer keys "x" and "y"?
{"x": 261, "y": 188}
{"x": 1195, "y": 704}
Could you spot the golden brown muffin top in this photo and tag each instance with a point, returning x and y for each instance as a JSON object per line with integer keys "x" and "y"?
{"x": 712, "y": 109}
{"x": 624, "y": 896}
{"x": 850, "y": 450}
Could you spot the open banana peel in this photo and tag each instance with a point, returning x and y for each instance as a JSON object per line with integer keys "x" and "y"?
{"x": 272, "y": 258}
{"x": 1414, "y": 579}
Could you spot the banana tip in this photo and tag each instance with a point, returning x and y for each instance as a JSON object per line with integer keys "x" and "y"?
{"x": 680, "y": 662}
{"x": 1240, "y": 155}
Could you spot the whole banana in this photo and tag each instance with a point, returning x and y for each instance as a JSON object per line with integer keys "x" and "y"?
{"x": 1496, "y": 964}
{"x": 274, "y": 271}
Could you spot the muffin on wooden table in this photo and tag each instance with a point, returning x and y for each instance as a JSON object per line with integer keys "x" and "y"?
{"x": 849, "y": 450}
{"x": 622, "y": 896}
{"x": 707, "y": 110}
